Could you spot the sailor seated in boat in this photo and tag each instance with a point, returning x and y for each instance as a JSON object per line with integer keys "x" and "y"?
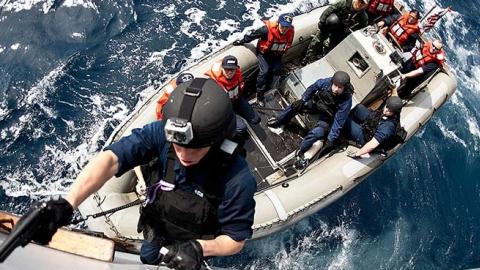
{"x": 425, "y": 60}
{"x": 203, "y": 203}
{"x": 373, "y": 129}
{"x": 331, "y": 99}
{"x": 403, "y": 28}
{"x": 334, "y": 24}
{"x": 228, "y": 75}
{"x": 275, "y": 38}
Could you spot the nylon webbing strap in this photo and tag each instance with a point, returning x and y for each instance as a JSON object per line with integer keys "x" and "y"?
{"x": 169, "y": 172}
{"x": 193, "y": 91}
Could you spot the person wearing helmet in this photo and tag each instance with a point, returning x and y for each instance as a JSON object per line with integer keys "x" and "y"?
{"x": 331, "y": 98}
{"x": 193, "y": 210}
{"x": 276, "y": 37}
{"x": 373, "y": 129}
{"x": 334, "y": 24}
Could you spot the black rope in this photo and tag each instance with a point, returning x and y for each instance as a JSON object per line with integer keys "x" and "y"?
{"x": 104, "y": 213}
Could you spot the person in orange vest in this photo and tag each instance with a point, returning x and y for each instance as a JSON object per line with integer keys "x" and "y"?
{"x": 421, "y": 65}
{"x": 379, "y": 9}
{"x": 276, "y": 37}
{"x": 228, "y": 75}
{"x": 183, "y": 77}
{"x": 403, "y": 28}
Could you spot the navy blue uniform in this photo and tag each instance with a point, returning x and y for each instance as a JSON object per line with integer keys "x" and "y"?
{"x": 385, "y": 129}
{"x": 324, "y": 127}
{"x": 237, "y": 206}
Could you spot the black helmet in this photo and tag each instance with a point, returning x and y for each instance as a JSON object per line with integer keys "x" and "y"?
{"x": 198, "y": 114}
{"x": 341, "y": 78}
{"x": 333, "y": 22}
{"x": 394, "y": 104}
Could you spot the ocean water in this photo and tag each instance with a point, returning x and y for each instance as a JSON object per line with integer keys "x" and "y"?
{"x": 71, "y": 70}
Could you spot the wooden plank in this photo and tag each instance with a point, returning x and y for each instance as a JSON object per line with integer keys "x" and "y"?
{"x": 71, "y": 242}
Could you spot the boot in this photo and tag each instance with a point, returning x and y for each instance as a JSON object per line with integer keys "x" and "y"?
{"x": 301, "y": 162}
{"x": 260, "y": 99}
{"x": 273, "y": 122}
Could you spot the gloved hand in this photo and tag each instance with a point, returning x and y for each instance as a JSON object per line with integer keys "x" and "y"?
{"x": 54, "y": 214}
{"x": 184, "y": 256}
{"x": 327, "y": 146}
{"x": 237, "y": 43}
{"x": 352, "y": 154}
{"x": 297, "y": 105}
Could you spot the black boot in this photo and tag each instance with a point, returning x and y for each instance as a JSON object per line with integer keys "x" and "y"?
{"x": 260, "y": 99}
{"x": 273, "y": 122}
{"x": 301, "y": 162}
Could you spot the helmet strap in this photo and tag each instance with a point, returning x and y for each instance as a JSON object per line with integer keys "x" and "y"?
{"x": 193, "y": 91}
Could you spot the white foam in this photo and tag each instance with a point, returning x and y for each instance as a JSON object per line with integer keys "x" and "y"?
{"x": 227, "y": 25}
{"x": 19, "y": 5}
{"x": 157, "y": 57}
{"x": 2, "y": 49}
{"x": 15, "y": 46}
{"x": 196, "y": 15}
{"x": 78, "y": 35}
{"x": 169, "y": 11}
{"x": 449, "y": 133}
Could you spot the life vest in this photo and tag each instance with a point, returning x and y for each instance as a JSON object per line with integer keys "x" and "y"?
{"x": 381, "y": 7}
{"x": 276, "y": 43}
{"x": 187, "y": 211}
{"x": 326, "y": 103}
{"x": 423, "y": 56}
{"x": 233, "y": 87}
{"x": 401, "y": 30}
{"x": 164, "y": 98}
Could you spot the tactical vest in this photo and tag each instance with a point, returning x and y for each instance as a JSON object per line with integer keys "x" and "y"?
{"x": 369, "y": 127}
{"x": 275, "y": 43}
{"x": 325, "y": 102}
{"x": 187, "y": 211}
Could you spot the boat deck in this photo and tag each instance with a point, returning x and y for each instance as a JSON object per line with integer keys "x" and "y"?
{"x": 268, "y": 149}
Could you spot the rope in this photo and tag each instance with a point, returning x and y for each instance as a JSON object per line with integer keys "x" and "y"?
{"x": 104, "y": 213}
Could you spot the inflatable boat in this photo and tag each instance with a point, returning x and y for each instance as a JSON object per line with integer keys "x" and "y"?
{"x": 284, "y": 195}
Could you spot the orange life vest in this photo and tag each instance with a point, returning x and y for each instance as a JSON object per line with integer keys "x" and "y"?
{"x": 381, "y": 7}
{"x": 233, "y": 87}
{"x": 164, "y": 98}
{"x": 421, "y": 57}
{"x": 276, "y": 42}
{"x": 401, "y": 30}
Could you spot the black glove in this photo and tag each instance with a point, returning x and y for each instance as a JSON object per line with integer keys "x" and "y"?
{"x": 328, "y": 146}
{"x": 184, "y": 256}
{"x": 237, "y": 43}
{"x": 297, "y": 105}
{"x": 54, "y": 214}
